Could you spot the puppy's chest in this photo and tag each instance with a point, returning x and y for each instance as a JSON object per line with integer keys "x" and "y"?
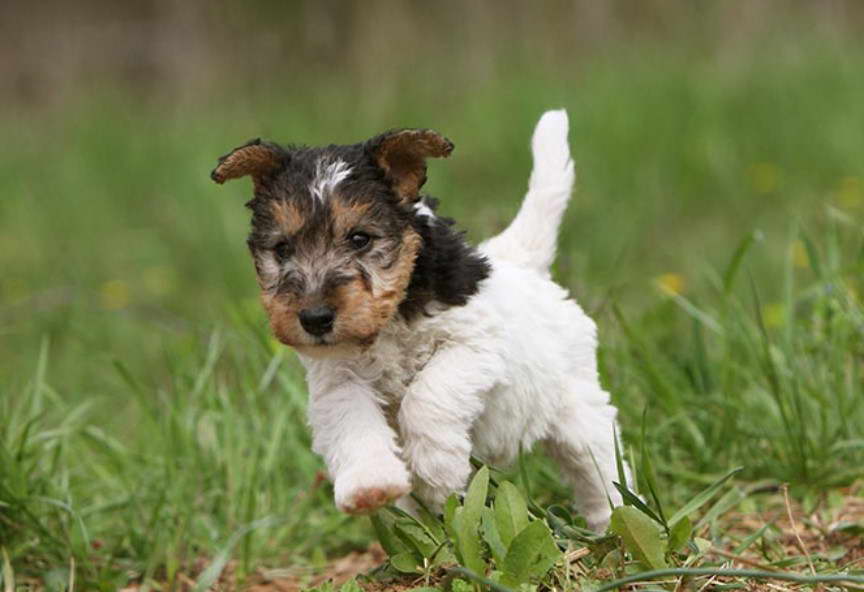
{"x": 402, "y": 355}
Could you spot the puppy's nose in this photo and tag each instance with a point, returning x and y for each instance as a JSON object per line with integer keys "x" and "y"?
{"x": 317, "y": 321}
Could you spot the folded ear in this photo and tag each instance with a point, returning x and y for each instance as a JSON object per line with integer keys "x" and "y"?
{"x": 402, "y": 155}
{"x": 256, "y": 158}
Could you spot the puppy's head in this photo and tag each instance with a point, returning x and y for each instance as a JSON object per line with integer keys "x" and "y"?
{"x": 332, "y": 236}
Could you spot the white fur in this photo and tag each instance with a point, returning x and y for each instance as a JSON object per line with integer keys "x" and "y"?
{"x": 328, "y": 174}
{"x": 514, "y": 366}
{"x": 531, "y": 238}
{"x": 423, "y": 209}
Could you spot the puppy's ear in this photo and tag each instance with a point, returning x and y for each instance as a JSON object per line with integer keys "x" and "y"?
{"x": 402, "y": 155}
{"x": 256, "y": 158}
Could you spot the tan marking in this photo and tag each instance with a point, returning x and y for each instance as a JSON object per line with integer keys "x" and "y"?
{"x": 282, "y": 312}
{"x": 358, "y": 319}
{"x": 255, "y": 159}
{"x": 346, "y": 216}
{"x": 287, "y": 215}
{"x": 396, "y": 279}
{"x": 403, "y": 156}
{"x": 363, "y": 313}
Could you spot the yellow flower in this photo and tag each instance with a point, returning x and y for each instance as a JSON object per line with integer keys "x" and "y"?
{"x": 114, "y": 295}
{"x": 670, "y": 284}
{"x": 764, "y": 177}
{"x": 774, "y": 314}
{"x": 799, "y": 255}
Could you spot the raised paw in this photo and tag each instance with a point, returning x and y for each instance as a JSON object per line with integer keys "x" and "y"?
{"x": 367, "y": 500}
{"x": 361, "y": 493}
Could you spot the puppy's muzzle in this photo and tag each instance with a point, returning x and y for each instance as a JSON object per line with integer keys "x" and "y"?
{"x": 317, "y": 321}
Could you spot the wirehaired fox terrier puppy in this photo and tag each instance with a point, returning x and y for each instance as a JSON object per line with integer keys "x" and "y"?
{"x": 420, "y": 349}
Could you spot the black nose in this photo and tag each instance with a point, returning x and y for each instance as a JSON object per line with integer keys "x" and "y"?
{"x": 317, "y": 321}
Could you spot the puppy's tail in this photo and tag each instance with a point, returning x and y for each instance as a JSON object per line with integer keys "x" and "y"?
{"x": 531, "y": 238}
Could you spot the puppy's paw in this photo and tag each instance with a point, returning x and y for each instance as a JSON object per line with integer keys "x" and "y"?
{"x": 598, "y": 520}
{"x": 362, "y": 492}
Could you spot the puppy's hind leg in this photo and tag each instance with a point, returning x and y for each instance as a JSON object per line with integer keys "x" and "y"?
{"x": 582, "y": 441}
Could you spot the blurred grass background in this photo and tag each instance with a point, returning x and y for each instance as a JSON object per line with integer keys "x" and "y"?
{"x": 141, "y": 394}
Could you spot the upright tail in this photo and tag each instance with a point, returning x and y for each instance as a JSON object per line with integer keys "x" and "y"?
{"x": 531, "y": 238}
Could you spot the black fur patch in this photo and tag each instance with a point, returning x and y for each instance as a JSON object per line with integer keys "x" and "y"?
{"x": 447, "y": 270}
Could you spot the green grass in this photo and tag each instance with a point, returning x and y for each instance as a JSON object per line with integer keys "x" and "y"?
{"x": 146, "y": 416}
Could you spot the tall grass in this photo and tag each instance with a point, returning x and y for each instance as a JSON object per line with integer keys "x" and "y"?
{"x": 146, "y": 416}
{"x": 772, "y": 384}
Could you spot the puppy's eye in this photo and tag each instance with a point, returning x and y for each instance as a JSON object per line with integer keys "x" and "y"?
{"x": 283, "y": 250}
{"x": 359, "y": 240}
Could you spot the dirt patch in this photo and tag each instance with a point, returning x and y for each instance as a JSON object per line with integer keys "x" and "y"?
{"x": 831, "y": 531}
{"x": 338, "y": 572}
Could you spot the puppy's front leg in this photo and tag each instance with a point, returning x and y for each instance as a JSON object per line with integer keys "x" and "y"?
{"x": 351, "y": 433}
{"x": 435, "y": 419}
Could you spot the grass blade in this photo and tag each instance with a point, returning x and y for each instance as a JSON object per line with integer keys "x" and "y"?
{"x": 209, "y": 576}
{"x": 730, "y": 573}
{"x": 8, "y": 574}
{"x": 738, "y": 258}
{"x": 702, "y": 498}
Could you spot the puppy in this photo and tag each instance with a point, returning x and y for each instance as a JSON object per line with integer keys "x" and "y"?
{"x": 421, "y": 349}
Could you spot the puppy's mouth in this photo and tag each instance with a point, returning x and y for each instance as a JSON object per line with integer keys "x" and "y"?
{"x": 323, "y": 341}
{"x": 331, "y": 341}
{"x": 328, "y": 346}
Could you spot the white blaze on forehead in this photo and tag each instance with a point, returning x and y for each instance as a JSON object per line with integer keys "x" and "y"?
{"x": 328, "y": 174}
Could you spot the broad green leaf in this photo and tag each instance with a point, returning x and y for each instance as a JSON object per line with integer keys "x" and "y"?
{"x": 450, "y": 507}
{"x": 475, "y": 499}
{"x": 701, "y": 498}
{"x": 383, "y": 525}
{"x": 680, "y": 534}
{"x": 405, "y": 562}
{"x": 443, "y": 555}
{"x": 531, "y": 554}
{"x": 641, "y": 536}
{"x": 492, "y": 536}
{"x": 460, "y": 585}
{"x": 511, "y": 512}
{"x": 425, "y": 517}
{"x": 415, "y": 537}
{"x": 468, "y": 544}
{"x": 351, "y": 586}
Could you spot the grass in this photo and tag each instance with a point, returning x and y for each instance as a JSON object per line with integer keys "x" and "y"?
{"x": 147, "y": 420}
